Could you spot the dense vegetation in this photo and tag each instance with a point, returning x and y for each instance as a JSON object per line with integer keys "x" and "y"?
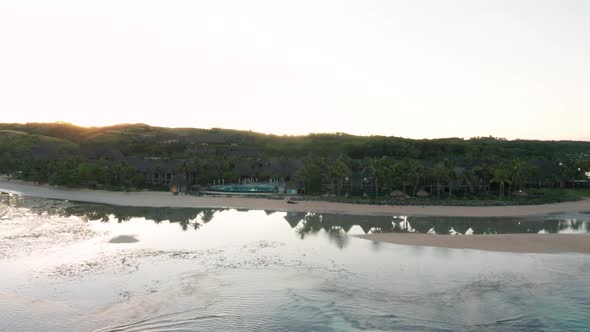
{"x": 339, "y": 164}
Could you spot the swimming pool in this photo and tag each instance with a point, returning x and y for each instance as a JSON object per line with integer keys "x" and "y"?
{"x": 246, "y": 188}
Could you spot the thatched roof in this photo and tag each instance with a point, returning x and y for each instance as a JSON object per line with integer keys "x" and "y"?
{"x": 398, "y": 193}
{"x": 422, "y": 193}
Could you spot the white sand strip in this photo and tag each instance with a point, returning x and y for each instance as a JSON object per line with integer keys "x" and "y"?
{"x": 522, "y": 243}
{"x": 164, "y": 199}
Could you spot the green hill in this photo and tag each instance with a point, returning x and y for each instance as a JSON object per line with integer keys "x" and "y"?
{"x": 129, "y": 155}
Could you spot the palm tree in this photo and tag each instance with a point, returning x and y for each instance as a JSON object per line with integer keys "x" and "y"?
{"x": 401, "y": 174}
{"x": 415, "y": 170}
{"x": 339, "y": 170}
{"x": 380, "y": 173}
{"x": 452, "y": 176}
{"x": 367, "y": 176}
{"x": 124, "y": 173}
{"x": 518, "y": 172}
{"x": 185, "y": 169}
{"x": 441, "y": 172}
{"x": 470, "y": 178}
{"x": 563, "y": 174}
{"x": 501, "y": 177}
{"x": 310, "y": 175}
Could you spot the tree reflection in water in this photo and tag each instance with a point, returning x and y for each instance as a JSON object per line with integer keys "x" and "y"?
{"x": 336, "y": 226}
{"x": 311, "y": 223}
{"x": 185, "y": 217}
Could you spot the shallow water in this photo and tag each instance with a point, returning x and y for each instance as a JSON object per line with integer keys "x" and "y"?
{"x": 83, "y": 267}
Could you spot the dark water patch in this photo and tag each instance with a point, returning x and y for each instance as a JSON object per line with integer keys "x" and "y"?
{"x": 124, "y": 239}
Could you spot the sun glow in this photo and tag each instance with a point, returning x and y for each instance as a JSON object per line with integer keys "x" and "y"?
{"x": 413, "y": 69}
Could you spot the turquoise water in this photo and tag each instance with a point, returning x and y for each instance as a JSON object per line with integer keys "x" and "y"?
{"x": 263, "y": 188}
{"x": 72, "y": 267}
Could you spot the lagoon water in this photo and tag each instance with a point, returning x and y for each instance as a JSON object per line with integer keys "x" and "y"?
{"x": 68, "y": 266}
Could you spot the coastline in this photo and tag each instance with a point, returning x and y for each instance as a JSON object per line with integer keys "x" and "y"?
{"x": 516, "y": 243}
{"x": 165, "y": 199}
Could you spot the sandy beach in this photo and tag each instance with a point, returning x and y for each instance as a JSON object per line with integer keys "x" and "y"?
{"x": 520, "y": 243}
{"x": 165, "y": 199}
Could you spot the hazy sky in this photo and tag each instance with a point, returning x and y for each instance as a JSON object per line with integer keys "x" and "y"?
{"x": 415, "y": 68}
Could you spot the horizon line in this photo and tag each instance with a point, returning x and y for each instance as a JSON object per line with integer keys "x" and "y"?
{"x": 292, "y": 135}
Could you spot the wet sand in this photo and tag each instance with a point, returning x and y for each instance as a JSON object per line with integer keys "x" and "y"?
{"x": 164, "y": 199}
{"x": 520, "y": 243}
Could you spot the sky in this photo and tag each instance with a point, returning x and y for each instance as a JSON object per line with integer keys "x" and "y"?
{"x": 418, "y": 69}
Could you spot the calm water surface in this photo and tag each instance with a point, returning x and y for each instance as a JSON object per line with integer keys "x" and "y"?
{"x": 84, "y": 267}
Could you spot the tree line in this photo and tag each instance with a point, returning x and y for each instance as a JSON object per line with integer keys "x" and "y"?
{"x": 334, "y": 164}
{"x": 381, "y": 176}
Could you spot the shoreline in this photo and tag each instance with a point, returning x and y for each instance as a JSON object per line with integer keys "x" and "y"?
{"x": 515, "y": 243}
{"x": 166, "y": 199}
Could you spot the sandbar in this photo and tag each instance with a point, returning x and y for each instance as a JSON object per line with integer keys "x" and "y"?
{"x": 518, "y": 243}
